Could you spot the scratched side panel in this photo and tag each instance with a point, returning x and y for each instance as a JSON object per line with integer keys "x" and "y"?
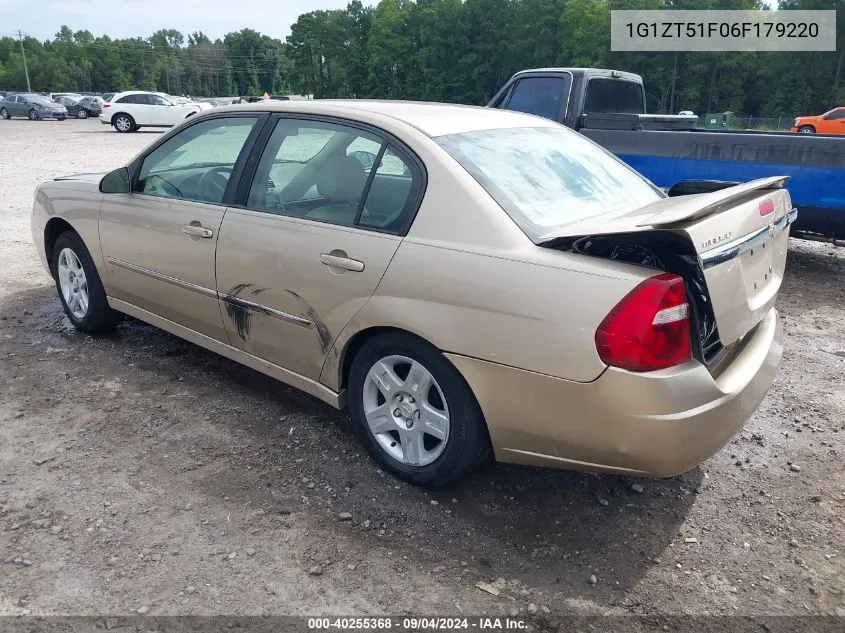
{"x": 279, "y": 302}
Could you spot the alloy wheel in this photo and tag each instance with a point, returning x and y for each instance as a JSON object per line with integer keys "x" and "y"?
{"x": 73, "y": 283}
{"x": 406, "y": 410}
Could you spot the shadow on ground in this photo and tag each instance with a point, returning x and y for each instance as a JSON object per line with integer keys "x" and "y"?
{"x": 549, "y": 529}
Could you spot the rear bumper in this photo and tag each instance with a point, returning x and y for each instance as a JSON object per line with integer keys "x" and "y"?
{"x": 657, "y": 424}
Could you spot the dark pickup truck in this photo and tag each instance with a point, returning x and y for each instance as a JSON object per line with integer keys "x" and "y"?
{"x": 608, "y": 106}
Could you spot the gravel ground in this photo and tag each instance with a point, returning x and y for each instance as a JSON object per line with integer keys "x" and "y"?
{"x": 139, "y": 472}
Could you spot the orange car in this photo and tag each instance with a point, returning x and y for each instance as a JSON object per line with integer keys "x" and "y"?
{"x": 832, "y": 122}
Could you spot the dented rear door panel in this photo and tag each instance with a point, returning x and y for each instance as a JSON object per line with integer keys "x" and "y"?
{"x": 281, "y": 297}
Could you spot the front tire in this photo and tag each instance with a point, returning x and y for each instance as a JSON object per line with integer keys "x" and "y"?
{"x": 414, "y": 412}
{"x": 78, "y": 284}
{"x": 4, "y": 114}
{"x": 806, "y": 129}
{"x": 124, "y": 123}
{"x": 82, "y": 114}
{"x": 33, "y": 115}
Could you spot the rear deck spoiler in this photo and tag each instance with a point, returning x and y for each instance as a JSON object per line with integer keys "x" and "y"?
{"x": 714, "y": 202}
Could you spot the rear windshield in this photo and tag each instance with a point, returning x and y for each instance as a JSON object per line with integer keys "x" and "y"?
{"x": 546, "y": 178}
{"x": 614, "y": 96}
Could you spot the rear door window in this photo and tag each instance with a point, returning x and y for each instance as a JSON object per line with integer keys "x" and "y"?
{"x": 542, "y": 96}
{"x": 335, "y": 173}
{"x": 307, "y": 172}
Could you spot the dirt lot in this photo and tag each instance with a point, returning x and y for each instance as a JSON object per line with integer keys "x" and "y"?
{"x": 140, "y": 472}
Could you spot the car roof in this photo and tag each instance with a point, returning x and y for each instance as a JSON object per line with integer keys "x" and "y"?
{"x": 432, "y": 119}
{"x": 591, "y": 72}
{"x": 137, "y": 92}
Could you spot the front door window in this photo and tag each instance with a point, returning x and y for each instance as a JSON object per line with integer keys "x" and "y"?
{"x": 196, "y": 163}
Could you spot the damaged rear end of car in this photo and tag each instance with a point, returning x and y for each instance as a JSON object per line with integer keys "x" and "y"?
{"x": 689, "y": 344}
{"x": 725, "y": 250}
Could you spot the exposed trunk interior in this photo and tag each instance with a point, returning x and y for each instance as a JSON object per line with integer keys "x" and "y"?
{"x": 667, "y": 252}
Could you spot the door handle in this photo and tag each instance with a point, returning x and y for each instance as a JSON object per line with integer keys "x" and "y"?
{"x": 338, "y": 261}
{"x": 197, "y": 230}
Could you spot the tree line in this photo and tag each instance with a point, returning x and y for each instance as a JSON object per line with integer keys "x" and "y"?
{"x": 435, "y": 50}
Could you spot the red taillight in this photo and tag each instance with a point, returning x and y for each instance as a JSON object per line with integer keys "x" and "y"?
{"x": 766, "y": 207}
{"x": 649, "y": 329}
{"x": 106, "y": 105}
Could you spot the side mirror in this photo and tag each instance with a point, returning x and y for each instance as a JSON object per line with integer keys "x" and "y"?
{"x": 116, "y": 181}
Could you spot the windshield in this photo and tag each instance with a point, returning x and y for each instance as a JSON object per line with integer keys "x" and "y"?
{"x": 546, "y": 178}
{"x": 40, "y": 100}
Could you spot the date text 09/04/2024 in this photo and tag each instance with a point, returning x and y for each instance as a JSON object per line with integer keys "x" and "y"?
{"x": 722, "y": 29}
{"x": 418, "y": 624}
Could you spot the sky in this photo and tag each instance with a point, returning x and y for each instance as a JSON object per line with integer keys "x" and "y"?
{"x": 131, "y": 18}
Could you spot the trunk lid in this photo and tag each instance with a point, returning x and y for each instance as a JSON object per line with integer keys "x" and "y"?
{"x": 740, "y": 235}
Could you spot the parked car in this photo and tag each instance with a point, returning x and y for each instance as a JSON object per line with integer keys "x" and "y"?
{"x": 81, "y": 108}
{"x": 832, "y": 122}
{"x": 216, "y": 102}
{"x": 33, "y": 106}
{"x": 494, "y": 282}
{"x": 134, "y": 109}
{"x": 254, "y": 99}
{"x": 54, "y": 96}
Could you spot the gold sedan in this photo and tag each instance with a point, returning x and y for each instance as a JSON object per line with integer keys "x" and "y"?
{"x": 468, "y": 282}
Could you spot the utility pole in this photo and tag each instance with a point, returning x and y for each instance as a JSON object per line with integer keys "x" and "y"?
{"x": 25, "y": 69}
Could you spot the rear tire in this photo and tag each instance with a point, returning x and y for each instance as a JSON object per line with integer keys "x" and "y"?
{"x": 124, "y": 123}
{"x": 4, "y": 114}
{"x": 806, "y": 129}
{"x": 78, "y": 284}
{"x": 403, "y": 411}
{"x": 82, "y": 114}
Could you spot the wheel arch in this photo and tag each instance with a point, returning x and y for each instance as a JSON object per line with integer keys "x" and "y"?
{"x": 359, "y": 339}
{"x": 52, "y": 230}
{"x": 121, "y": 113}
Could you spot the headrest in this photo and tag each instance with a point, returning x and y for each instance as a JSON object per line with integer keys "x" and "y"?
{"x": 341, "y": 178}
